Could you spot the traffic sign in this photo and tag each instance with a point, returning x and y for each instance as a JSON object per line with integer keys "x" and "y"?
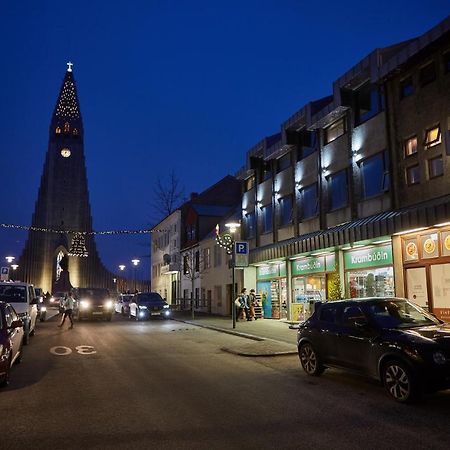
{"x": 4, "y": 274}
{"x": 241, "y": 251}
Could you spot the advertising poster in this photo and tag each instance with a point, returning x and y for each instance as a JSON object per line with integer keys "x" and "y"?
{"x": 416, "y": 284}
{"x": 440, "y": 280}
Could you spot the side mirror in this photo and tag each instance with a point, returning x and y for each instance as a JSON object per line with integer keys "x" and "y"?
{"x": 34, "y": 301}
{"x": 16, "y": 324}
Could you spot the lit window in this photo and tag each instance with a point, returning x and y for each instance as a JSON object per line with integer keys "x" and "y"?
{"x": 413, "y": 175}
{"x": 335, "y": 130}
{"x": 375, "y": 174}
{"x": 435, "y": 167}
{"x": 66, "y": 127}
{"x": 249, "y": 183}
{"x": 338, "y": 190}
{"x": 58, "y": 130}
{"x": 410, "y": 146}
{"x": 432, "y": 137}
{"x": 250, "y": 224}
{"x": 75, "y": 132}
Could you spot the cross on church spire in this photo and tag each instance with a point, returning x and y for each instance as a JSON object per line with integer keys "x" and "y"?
{"x": 69, "y": 66}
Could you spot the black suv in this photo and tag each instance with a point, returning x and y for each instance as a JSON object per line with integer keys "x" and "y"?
{"x": 93, "y": 303}
{"x": 390, "y": 339}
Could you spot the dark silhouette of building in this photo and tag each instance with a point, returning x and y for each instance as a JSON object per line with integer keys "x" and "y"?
{"x": 62, "y": 208}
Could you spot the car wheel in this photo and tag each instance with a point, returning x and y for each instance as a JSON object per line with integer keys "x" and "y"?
{"x": 398, "y": 381}
{"x": 5, "y": 380}
{"x": 310, "y": 360}
{"x": 42, "y": 318}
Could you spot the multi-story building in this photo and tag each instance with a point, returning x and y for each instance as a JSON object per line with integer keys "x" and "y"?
{"x": 328, "y": 201}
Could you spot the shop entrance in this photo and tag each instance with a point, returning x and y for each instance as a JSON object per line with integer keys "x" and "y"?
{"x": 306, "y": 290}
{"x": 273, "y": 294}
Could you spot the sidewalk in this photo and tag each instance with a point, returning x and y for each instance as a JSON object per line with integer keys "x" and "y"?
{"x": 263, "y": 337}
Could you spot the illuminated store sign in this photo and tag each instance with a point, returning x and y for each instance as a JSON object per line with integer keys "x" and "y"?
{"x": 368, "y": 257}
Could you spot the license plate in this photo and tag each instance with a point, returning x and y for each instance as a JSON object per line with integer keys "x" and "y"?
{"x": 97, "y": 313}
{"x": 156, "y": 313}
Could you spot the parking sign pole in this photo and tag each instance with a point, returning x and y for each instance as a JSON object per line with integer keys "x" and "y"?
{"x": 233, "y": 288}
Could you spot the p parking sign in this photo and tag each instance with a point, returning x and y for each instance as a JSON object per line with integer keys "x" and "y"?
{"x": 241, "y": 251}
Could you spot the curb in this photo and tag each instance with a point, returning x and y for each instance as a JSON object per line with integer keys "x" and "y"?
{"x": 249, "y": 354}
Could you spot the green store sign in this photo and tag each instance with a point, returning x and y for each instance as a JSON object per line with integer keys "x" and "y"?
{"x": 369, "y": 257}
{"x": 314, "y": 264}
{"x": 271, "y": 271}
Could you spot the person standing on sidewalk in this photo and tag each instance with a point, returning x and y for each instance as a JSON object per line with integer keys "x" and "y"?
{"x": 68, "y": 308}
{"x": 252, "y": 303}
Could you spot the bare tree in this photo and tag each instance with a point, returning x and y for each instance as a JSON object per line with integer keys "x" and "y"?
{"x": 194, "y": 265}
{"x": 167, "y": 195}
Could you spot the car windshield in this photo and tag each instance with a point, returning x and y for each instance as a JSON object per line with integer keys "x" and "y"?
{"x": 399, "y": 314}
{"x": 94, "y": 294}
{"x": 13, "y": 294}
{"x": 153, "y": 298}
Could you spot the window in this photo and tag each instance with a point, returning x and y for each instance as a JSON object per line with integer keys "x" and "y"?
{"x": 309, "y": 143}
{"x": 447, "y": 62}
{"x": 435, "y": 167}
{"x": 249, "y": 183}
{"x": 185, "y": 293}
{"x": 58, "y": 130}
{"x": 351, "y": 314}
{"x": 197, "y": 261}
{"x": 432, "y": 137}
{"x": 406, "y": 87}
{"x": 367, "y": 102}
{"x": 413, "y": 175}
{"x": 285, "y": 210}
{"x": 375, "y": 174}
{"x": 197, "y": 292}
{"x": 266, "y": 218}
{"x": 267, "y": 173}
{"x": 309, "y": 201}
{"x": 185, "y": 264}
{"x": 284, "y": 162}
{"x": 338, "y": 190}
{"x": 410, "y": 146}
{"x": 250, "y": 224}
{"x": 190, "y": 233}
{"x": 206, "y": 258}
{"x": 328, "y": 314}
{"x": 217, "y": 256}
{"x": 66, "y": 127}
{"x": 427, "y": 74}
{"x": 335, "y": 130}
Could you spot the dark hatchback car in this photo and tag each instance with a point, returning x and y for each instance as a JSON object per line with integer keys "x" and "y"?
{"x": 390, "y": 339}
{"x": 11, "y": 340}
{"x": 146, "y": 305}
{"x": 93, "y": 303}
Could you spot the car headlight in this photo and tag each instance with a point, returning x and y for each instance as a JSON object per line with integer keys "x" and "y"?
{"x": 166, "y": 306}
{"x": 167, "y": 313}
{"x": 108, "y": 304}
{"x": 43, "y": 309}
{"x": 84, "y": 304}
{"x": 142, "y": 307}
{"x": 52, "y": 300}
{"x": 439, "y": 358}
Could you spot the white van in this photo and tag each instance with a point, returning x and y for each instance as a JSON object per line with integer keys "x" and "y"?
{"x": 23, "y": 299}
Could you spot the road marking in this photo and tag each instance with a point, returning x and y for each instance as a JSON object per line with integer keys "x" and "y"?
{"x": 60, "y": 350}
{"x": 85, "y": 350}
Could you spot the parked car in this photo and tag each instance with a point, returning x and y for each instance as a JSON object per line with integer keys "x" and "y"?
{"x": 146, "y": 305}
{"x": 41, "y": 307}
{"x": 122, "y": 304}
{"x": 390, "y": 339}
{"x": 11, "y": 340}
{"x": 22, "y": 298}
{"x": 93, "y": 303}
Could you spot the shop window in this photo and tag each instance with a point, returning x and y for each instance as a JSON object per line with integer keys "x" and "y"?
{"x": 435, "y": 167}
{"x": 406, "y": 87}
{"x": 413, "y": 175}
{"x": 249, "y": 183}
{"x": 432, "y": 137}
{"x": 284, "y": 162}
{"x": 285, "y": 210}
{"x": 427, "y": 74}
{"x": 338, "y": 190}
{"x": 376, "y": 282}
{"x": 266, "y": 218}
{"x": 250, "y": 224}
{"x": 309, "y": 201}
{"x": 410, "y": 146}
{"x": 328, "y": 314}
{"x": 335, "y": 130}
{"x": 375, "y": 175}
{"x": 367, "y": 102}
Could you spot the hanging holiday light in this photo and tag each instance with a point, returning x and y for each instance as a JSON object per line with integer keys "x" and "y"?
{"x": 78, "y": 247}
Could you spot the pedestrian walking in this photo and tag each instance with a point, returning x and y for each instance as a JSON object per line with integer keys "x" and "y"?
{"x": 252, "y": 303}
{"x": 68, "y": 308}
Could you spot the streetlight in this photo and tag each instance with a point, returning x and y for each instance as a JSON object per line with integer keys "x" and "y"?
{"x": 122, "y": 268}
{"x": 10, "y": 259}
{"x": 135, "y": 263}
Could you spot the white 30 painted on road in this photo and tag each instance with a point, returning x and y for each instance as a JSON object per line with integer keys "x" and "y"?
{"x": 60, "y": 350}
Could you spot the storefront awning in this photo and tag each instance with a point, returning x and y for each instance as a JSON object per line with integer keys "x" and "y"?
{"x": 372, "y": 227}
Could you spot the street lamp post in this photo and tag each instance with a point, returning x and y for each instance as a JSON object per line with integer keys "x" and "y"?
{"x": 135, "y": 263}
{"x": 122, "y": 268}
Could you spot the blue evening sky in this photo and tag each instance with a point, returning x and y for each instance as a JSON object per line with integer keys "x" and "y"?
{"x": 167, "y": 85}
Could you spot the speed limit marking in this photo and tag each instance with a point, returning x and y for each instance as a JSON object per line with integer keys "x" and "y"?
{"x": 60, "y": 350}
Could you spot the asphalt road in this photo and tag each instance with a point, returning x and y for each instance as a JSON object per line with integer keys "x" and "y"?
{"x": 166, "y": 384}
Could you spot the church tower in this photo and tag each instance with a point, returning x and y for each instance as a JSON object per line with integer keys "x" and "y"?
{"x": 62, "y": 208}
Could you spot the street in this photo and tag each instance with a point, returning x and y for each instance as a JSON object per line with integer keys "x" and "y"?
{"x": 168, "y": 384}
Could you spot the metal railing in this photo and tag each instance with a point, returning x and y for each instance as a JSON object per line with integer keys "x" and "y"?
{"x": 202, "y": 305}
